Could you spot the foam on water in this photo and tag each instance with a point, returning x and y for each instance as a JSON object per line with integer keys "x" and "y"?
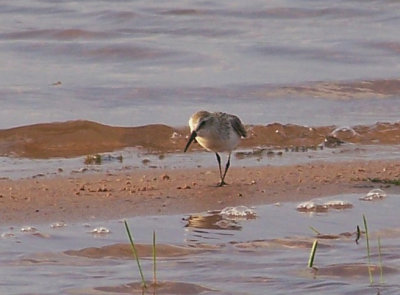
{"x": 344, "y": 132}
{"x": 7, "y": 235}
{"x": 238, "y": 211}
{"x": 58, "y": 224}
{"x": 319, "y": 206}
{"x": 311, "y": 206}
{"x": 374, "y": 194}
{"x": 338, "y": 204}
{"x": 28, "y": 229}
{"x": 101, "y": 230}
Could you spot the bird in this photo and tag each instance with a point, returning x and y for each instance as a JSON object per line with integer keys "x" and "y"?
{"x": 216, "y": 132}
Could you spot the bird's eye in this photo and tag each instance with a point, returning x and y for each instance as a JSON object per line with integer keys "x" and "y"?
{"x": 201, "y": 124}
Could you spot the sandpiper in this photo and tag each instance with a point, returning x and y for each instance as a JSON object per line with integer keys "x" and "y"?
{"x": 216, "y": 132}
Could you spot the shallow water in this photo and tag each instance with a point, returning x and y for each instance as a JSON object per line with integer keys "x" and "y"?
{"x": 210, "y": 253}
{"x": 133, "y": 159}
{"x": 140, "y": 62}
{"x": 324, "y": 66}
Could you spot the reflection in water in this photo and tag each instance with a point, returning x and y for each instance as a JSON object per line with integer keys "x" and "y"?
{"x": 225, "y": 219}
{"x": 160, "y": 288}
{"x": 211, "y": 221}
{"x": 124, "y": 251}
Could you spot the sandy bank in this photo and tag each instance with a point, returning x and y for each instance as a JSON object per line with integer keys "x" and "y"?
{"x": 156, "y": 192}
{"x": 79, "y": 138}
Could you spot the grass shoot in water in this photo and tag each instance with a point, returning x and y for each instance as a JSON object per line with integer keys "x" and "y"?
{"x": 380, "y": 260}
{"x": 312, "y": 254}
{"x": 314, "y": 230}
{"x": 371, "y": 278}
{"x": 134, "y": 251}
{"x": 154, "y": 259}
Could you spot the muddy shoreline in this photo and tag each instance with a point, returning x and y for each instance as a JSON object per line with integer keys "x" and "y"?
{"x": 117, "y": 195}
{"x": 79, "y": 138}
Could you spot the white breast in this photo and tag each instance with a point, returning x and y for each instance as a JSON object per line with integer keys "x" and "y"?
{"x": 212, "y": 141}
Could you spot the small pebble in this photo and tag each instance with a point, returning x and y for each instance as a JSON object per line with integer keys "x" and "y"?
{"x": 165, "y": 177}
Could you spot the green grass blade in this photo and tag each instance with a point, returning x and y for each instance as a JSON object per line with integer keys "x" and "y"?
{"x": 314, "y": 230}
{"x": 312, "y": 253}
{"x": 154, "y": 259}
{"x": 135, "y": 253}
{"x": 380, "y": 261}
{"x": 371, "y": 278}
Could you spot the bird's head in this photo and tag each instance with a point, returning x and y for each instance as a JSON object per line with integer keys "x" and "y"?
{"x": 196, "y": 123}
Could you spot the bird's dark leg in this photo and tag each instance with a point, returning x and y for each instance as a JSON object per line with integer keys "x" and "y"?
{"x": 219, "y": 164}
{"x": 220, "y": 170}
{"x": 228, "y": 163}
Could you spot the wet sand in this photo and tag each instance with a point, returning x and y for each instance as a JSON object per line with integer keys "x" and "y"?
{"x": 81, "y": 137}
{"x": 156, "y": 192}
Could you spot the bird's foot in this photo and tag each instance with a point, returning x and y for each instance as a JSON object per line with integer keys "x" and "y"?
{"x": 221, "y": 183}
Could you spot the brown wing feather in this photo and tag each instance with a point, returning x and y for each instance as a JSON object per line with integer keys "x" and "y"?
{"x": 238, "y": 126}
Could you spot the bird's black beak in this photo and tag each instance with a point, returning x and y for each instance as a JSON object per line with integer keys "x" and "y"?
{"x": 192, "y": 137}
